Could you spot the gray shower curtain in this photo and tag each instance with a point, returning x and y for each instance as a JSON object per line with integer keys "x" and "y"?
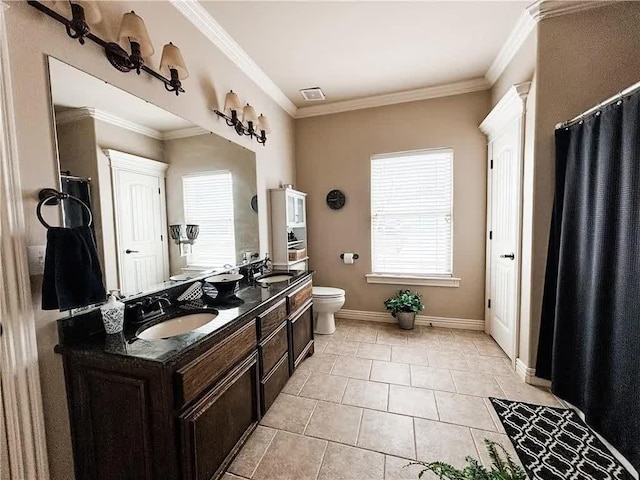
{"x": 590, "y": 332}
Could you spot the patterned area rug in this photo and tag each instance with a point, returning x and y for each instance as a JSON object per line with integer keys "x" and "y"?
{"x": 555, "y": 444}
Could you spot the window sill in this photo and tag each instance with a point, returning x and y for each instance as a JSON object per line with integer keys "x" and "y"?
{"x": 426, "y": 281}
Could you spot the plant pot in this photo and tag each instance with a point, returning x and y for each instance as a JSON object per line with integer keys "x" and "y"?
{"x": 406, "y": 320}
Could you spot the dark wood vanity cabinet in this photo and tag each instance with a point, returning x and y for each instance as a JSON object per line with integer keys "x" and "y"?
{"x": 215, "y": 428}
{"x": 185, "y": 418}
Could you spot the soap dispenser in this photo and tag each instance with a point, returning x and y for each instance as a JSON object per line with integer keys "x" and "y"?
{"x": 113, "y": 313}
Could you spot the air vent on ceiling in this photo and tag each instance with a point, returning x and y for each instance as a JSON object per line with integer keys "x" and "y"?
{"x": 312, "y": 94}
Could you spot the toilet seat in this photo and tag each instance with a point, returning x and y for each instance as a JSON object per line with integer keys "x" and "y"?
{"x": 327, "y": 292}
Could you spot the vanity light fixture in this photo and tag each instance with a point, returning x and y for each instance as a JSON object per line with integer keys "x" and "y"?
{"x": 184, "y": 237}
{"x": 172, "y": 65}
{"x": 134, "y": 43}
{"x": 251, "y": 124}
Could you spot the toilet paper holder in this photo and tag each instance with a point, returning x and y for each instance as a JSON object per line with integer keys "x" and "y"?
{"x": 355, "y": 256}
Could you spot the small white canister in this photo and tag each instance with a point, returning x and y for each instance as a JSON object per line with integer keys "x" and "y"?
{"x": 113, "y": 314}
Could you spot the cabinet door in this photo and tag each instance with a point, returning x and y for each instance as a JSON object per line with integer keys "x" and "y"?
{"x": 291, "y": 209}
{"x": 301, "y": 335}
{"x": 300, "y": 210}
{"x": 215, "y": 428}
{"x": 111, "y": 410}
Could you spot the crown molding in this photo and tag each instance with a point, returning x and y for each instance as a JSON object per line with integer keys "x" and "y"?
{"x": 544, "y": 9}
{"x": 77, "y": 114}
{"x": 523, "y": 27}
{"x": 529, "y": 18}
{"x": 455, "y": 88}
{"x": 184, "y": 133}
{"x": 210, "y": 28}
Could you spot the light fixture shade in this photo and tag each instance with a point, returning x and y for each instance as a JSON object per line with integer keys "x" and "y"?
{"x": 232, "y": 102}
{"x": 92, "y": 13}
{"x": 249, "y": 115}
{"x": 172, "y": 58}
{"x": 263, "y": 124}
{"x": 132, "y": 29}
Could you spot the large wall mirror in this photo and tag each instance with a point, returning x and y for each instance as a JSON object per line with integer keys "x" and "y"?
{"x": 153, "y": 182}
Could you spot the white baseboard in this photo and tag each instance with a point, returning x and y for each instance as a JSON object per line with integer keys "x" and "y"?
{"x": 385, "y": 317}
{"x": 529, "y": 375}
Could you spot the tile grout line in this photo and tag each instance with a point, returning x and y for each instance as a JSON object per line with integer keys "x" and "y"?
{"x": 306, "y": 425}
{"x": 359, "y": 426}
{"x": 322, "y": 459}
{"x": 255, "y": 469}
{"x": 415, "y": 440}
{"x": 303, "y": 384}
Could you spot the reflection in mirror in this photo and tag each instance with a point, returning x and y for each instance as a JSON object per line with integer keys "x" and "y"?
{"x": 169, "y": 199}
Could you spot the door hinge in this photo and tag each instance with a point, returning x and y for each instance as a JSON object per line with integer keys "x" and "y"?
{"x": 158, "y": 191}
{"x": 490, "y": 234}
{"x": 162, "y": 238}
{"x": 491, "y": 165}
{"x": 489, "y": 303}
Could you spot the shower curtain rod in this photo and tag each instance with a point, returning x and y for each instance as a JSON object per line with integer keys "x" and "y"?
{"x": 617, "y": 97}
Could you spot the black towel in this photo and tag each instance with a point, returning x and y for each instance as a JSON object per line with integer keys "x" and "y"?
{"x": 72, "y": 273}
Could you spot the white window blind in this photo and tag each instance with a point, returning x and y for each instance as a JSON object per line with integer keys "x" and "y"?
{"x": 411, "y": 213}
{"x": 208, "y": 202}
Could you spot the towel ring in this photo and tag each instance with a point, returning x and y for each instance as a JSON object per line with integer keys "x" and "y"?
{"x": 48, "y": 194}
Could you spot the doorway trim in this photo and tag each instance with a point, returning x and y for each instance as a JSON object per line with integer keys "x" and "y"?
{"x": 510, "y": 109}
{"x": 22, "y": 409}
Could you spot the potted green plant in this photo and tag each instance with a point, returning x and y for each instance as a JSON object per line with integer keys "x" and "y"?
{"x": 404, "y": 307}
{"x": 501, "y": 469}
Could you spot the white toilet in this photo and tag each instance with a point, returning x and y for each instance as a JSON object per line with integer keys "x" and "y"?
{"x": 326, "y": 302}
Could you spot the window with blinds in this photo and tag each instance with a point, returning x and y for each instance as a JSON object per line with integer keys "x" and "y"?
{"x": 208, "y": 202}
{"x": 412, "y": 213}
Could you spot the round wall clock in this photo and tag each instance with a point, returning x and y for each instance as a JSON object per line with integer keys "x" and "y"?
{"x": 254, "y": 203}
{"x": 336, "y": 199}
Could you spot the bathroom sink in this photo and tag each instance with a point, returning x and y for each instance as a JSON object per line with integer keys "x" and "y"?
{"x": 177, "y": 326}
{"x": 275, "y": 277}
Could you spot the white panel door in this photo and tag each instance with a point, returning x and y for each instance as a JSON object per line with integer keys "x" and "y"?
{"x": 505, "y": 238}
{"x": 141, "y": 246}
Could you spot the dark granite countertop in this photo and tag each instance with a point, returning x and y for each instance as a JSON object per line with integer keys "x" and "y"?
{"x": 75, "y": 337}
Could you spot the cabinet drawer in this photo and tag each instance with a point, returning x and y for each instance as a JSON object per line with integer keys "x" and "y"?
{"x": 269, "y": 320}
{"x": 273, "y": 348}
{"x": 215, "y": 428}
{"x": 274, "y": 383}
{"x": 199, "y": 374}
{"x": 301, "y": 333}
{"x": 298, "y": 298}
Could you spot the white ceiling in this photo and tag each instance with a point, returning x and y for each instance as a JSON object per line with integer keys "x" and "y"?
{"x": 73, "y": 88}
{"x": 359, "y": 49}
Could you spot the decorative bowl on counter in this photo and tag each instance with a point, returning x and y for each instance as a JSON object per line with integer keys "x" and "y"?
{"x": 225, "y": 283}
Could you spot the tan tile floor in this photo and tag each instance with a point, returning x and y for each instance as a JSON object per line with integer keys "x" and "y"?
{"x": 372, "y": 398}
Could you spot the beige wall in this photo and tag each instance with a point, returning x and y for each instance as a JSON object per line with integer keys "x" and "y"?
{"x": 113, "y": 137}
{"x": 211, "y": 76}
{"x": 582, "y": 59}
{"x": 333, "y": 151}
{"x": 205, "y": 153}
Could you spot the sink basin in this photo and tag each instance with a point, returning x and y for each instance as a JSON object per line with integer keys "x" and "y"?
{"x": 275, "y": 278}
{"x": 177, "y": 326}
